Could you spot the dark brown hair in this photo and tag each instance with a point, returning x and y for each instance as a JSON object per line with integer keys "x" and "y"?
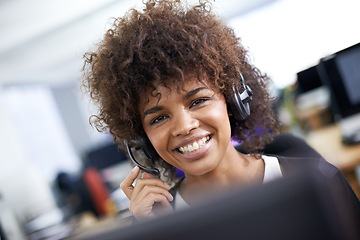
{"x": 170, "y": 39}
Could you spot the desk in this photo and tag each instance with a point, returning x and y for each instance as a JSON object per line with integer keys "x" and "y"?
{"x": 327, "y": 141}
{"x": 98, "y": 227}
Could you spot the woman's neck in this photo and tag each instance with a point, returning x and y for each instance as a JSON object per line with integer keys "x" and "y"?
{"x": 235, "y": 169}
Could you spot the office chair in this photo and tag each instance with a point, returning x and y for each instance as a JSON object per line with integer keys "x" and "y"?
{"x": 287, "y": 145}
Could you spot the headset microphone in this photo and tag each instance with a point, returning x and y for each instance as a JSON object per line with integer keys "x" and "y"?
{"x": 151, "y": 156}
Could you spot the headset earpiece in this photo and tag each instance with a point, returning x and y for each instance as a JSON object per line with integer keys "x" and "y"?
{"x": 240, "y": 101}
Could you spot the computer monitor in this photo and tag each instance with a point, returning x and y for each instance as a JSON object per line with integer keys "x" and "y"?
{"x": 301, "y": 206}
{"x": 341, "y": 73}
{"x": 105, "y": 156}
{"x": 308, "y": 80}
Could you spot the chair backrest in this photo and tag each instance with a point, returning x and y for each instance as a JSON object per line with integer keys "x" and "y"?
{"x": 287, "y": 145}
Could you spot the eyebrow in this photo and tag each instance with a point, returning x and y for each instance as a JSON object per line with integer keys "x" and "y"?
{"x": 152, "y": 110}
{"x": 187, "y": 96}
{"x": 193, "y": 92}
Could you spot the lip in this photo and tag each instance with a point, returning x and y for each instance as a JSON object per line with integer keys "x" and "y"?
{"x": 199, "y": 153}
{"x": 191, "y": 141}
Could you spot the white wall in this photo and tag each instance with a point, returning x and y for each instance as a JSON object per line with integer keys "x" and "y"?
{"x": 288, "y": 36}
{"x": 24, "y": 191}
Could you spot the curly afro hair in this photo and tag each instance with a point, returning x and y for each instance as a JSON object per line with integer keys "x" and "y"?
{"x": 168, "y": 38}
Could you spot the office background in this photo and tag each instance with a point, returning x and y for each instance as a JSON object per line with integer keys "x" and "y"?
{"x": 44, "y": 117}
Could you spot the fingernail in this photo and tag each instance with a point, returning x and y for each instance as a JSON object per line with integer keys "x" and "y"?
{"x": 166, "y": 185}
{"x": 134, "y": 169}
{"x": 171, "y": 197}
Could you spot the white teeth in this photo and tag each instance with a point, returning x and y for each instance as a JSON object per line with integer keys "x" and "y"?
{"x": 195, "y": 146}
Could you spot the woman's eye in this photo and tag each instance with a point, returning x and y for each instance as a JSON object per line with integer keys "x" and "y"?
{"x": 157, "y": 120}
{"x": 198, "y": 101}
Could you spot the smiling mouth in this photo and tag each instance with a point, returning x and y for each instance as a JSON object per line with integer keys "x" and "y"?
{"x": 194, "y": 146}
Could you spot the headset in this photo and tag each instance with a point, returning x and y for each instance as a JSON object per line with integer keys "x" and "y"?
{"x": 145, "y": 145}
{"x": 240, "y": 109}
{"x": 240, "y": 101}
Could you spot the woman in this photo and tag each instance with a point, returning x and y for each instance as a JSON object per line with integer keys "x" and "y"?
{"x": 179, "y": 78}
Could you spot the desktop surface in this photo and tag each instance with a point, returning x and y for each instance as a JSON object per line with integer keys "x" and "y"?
{"x": 328, "y": 142}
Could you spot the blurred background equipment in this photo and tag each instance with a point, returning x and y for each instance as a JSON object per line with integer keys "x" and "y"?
{"x": 327, "y": 104}
{"x": 340, "y": 72}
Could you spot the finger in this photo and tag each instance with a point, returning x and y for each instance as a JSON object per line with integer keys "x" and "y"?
{"x": 145, "y": 208}
{"x": 151, "y": 192}
{"x": 126, "y": 184}
{"x": 164, "y": 208}
{"x": 146, "y": 175}
{"x": 142, "y": 183}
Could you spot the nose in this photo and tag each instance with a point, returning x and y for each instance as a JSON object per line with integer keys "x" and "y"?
{"x": 184, "y": 123}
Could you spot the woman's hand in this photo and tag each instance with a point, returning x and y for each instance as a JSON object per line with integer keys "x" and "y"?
{"x": 147, "y": 192}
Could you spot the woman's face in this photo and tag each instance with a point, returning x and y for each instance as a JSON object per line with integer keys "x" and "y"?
{"x": 188, "y": 126}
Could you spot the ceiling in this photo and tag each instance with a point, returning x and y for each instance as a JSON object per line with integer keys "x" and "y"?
{"x": 43, "y": 41}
